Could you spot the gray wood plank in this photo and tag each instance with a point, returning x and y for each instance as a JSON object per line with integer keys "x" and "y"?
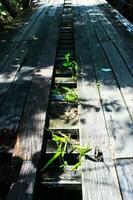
{"x": 9, "y": 49}
{"x": 10, "y": 69}
{"x": 33, "y": 119}
{"x": 115, "y": 110}
{"x": 15, "y": 83}
{"x": 128, "y": 59}
{"x": 92, "y": 122}
{"x": 99, "y": 179}
{"x": 12, "y": 107}
{"x": 30, "y": 131}
{"x": 5, "y": 48}
{"x": 124, "y": 169}
{"x": 28, "y": 30}
{"x": 22, "y": 189}
{"x": 123, "y": 76}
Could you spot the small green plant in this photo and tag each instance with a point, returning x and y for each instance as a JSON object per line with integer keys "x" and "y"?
{"x": 69, "y": 94}
{"x": 72, "y": 65}
{"x": 62, "y": 141}
{"x": 67, "y": 62}
{"x": 56, "y": 90}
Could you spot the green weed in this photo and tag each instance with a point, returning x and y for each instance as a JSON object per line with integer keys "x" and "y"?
{"x": 62, "y": 141}
{"x": 69, "y": 94}
{"x": 72, "y": 65}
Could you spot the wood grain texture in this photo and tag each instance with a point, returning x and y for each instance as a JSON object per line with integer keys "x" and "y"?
{"x": 16, "y": 86}
{"x": 124, "y": 169}
{"x": 30, "y": 27}
{"x": 123, "y": 75}
{"x": 128, "y": 59}
{"x": 92, "y": 123}
{"x": 22, "y": 189}
{"x": 99, "y": 179}
{"x": 12, "y": 107}
{"x": 30, "y": 132}
{"x": 10, "y": 68}
{"x": 31, "y": 128}
{"x": 117, "y": 117}
{"x": 6, "y": 50}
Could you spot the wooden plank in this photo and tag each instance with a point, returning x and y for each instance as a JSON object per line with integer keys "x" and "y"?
{"x": 33, "y": 119}
{"x": 31, "y": 33}
{"x": 124, "y": 169}
{"x": 30, "y": 132}
{"x": 15, "y": 60}
{"x": 115, "y": 110}
{"x": 122, "y": 74}
{"x": 99, "y": 179}
{"x": 90, "y": 105}
{"x": 29, "y": 27}
{"x": 15, "y": 85}
{"x": 5, "y": 48}
{"x": 46, "y": 22}
{"x": 10, "y": 69}
{"x": 128, "y": 59}
{"x": 12, "y": 107}
{"x": 8, "y": 48}
{"x": 22, "y": 189}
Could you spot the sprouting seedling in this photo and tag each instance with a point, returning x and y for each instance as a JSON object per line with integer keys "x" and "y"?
{"x": 67, "y": 63}
{"x": 62, "y": 141}
{"x": 82, "y": 151}
{"x": 73, "y": 65}
{"x": 75, "y": 70}
{"x": 70, "y": 95}
{"x": 56, "y": 90}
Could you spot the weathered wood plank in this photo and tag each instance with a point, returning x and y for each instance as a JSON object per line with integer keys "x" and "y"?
{"x": 30, "y": 132}
{"x": 12, "y": 107}
{"x": 28, "y": 30}
{"x": 15, "y": 83}
{"x": 33, "y": 119}
{"x": 128, "y": 59}
{"x": 122, "y": 74}
{"x": 6, "y": 48}
{"x": 114, "y": 107}
{"x": 91, "y": 113}
{"x": 22, "y": 189}
{"x": 124, "y": 169}
{"x": 99, "y": 179}
{"x": 10, "y": 48}
{"x": 10, "y": 69}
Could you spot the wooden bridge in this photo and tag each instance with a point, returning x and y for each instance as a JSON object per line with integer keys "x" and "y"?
{"x": 31, "y": 58}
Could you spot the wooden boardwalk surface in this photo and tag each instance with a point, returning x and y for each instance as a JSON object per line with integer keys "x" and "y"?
{"x": 106, "y": 89}
{"x": 105, "y": 92}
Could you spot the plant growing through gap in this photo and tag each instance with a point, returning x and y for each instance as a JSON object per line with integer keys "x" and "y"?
{"x": 72, "y": 65}
{"x": 69, "y": 94}
{"x": 62, "y": 142}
